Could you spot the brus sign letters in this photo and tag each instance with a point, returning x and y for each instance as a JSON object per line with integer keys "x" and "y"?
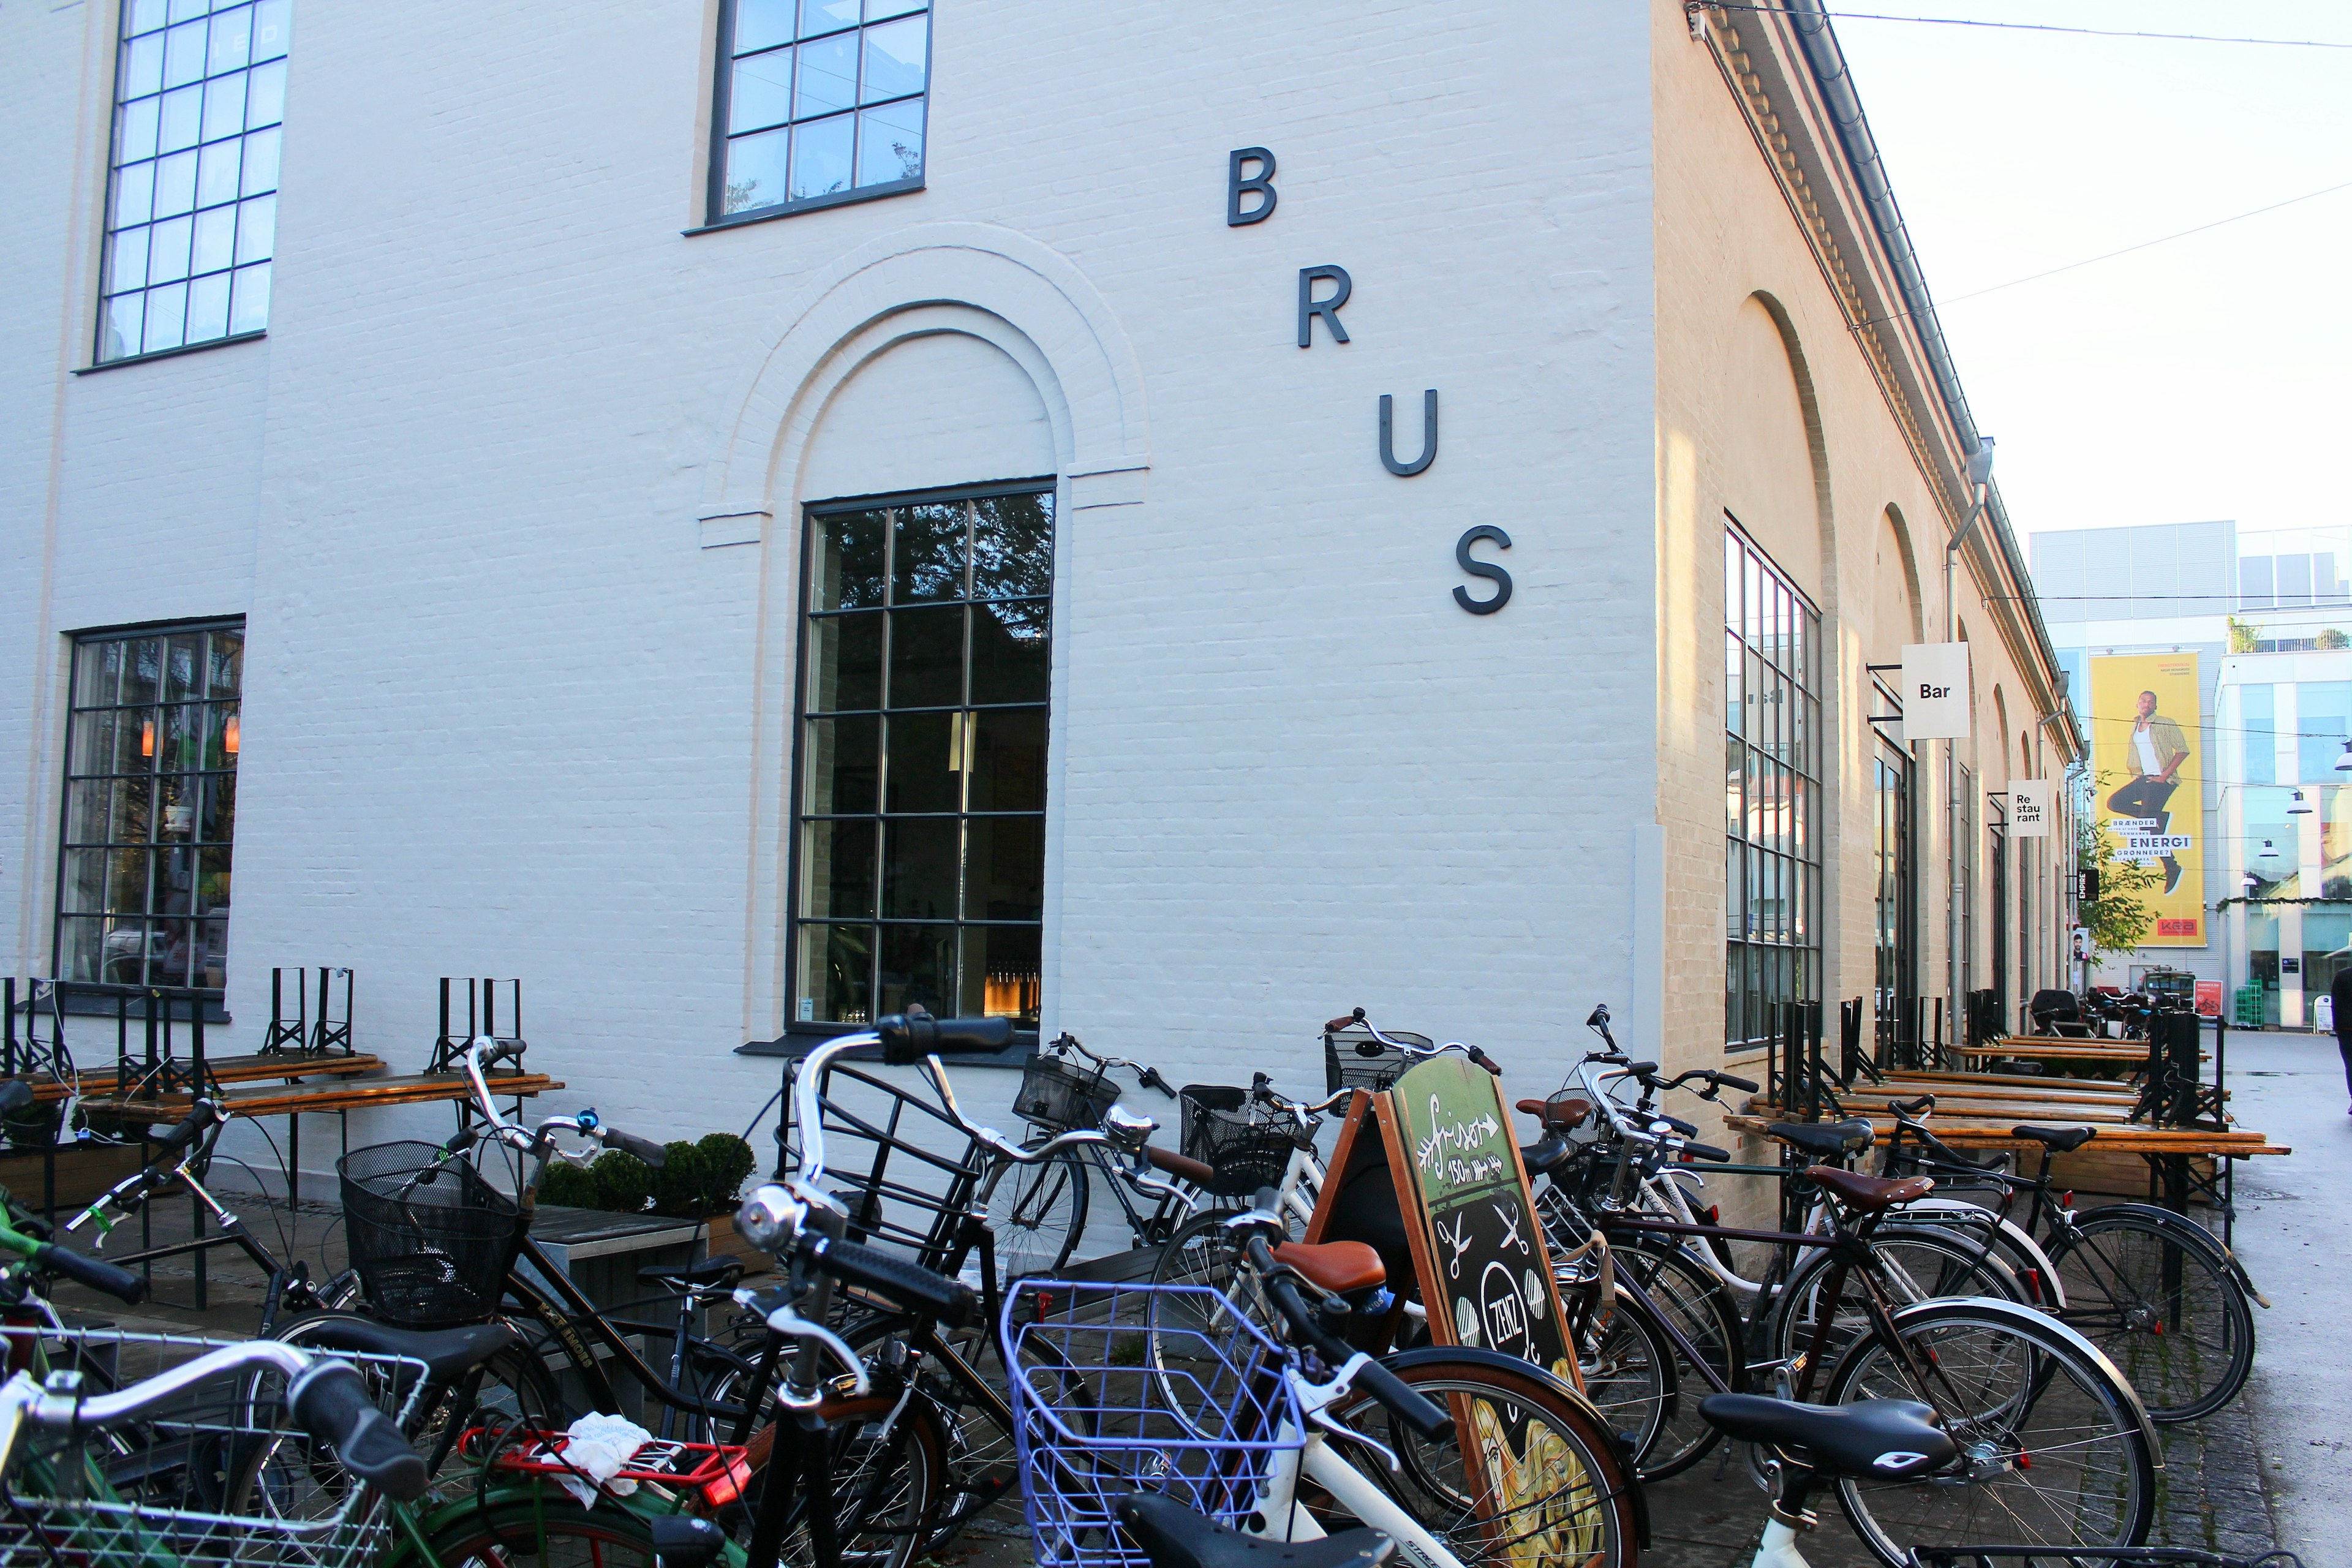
{"x": 1935, "y": 691}
{"x": 2029, "y": 808}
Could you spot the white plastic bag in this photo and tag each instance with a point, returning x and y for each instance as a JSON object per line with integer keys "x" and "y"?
{"x": 599, "y": 1445}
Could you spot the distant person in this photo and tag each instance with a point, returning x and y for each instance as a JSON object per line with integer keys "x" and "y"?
{"x": 2158, "y": 751}
{"x": 2340, "y": 990}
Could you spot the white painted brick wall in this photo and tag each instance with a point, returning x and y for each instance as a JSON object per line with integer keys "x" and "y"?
{"x": 504, "y": 712}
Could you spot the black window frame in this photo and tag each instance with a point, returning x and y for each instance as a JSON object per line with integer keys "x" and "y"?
{"x": 798, "y": 1035}
{"x": 1761, "y": 970}
{"x": 89, "y": 996}
{"x": 715, "y": 215}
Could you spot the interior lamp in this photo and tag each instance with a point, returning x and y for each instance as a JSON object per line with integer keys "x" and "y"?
{"x": 2344, "y": 763}
{"x": 2270, "y": 850}
{"x": 2298, "y": 806}
{"x": 229, "y": 739}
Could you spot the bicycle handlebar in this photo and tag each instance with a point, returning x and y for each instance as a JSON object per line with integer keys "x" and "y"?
{"x": 330, "y": 1401}
{"x": 481, "y": 1053}
{"x": 951, "y": 1301}
{"x": 95, "y": 1272}
{"x": 1355, "y": 1019}
{"x": 326, "y": 1397}
{"x": 907, "y": 1037}
{"x": 203, "y": 1116}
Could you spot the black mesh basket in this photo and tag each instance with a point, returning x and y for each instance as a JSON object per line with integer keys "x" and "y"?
{"x": 1058, "y": 1096}
{"x": 1353, "y": 1059}
{"x": 1248, "y": 1146}
{"x": 430, "y": 1253}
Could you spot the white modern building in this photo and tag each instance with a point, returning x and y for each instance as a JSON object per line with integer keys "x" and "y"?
{"x": 2267, "y": 615}
{"x": 1165, "y": 523}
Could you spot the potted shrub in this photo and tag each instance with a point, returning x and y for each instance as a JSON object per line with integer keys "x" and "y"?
{"x": 698, "y": 1181}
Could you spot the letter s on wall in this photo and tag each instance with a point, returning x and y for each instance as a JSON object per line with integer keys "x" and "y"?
{"x": 1487, "y": 569}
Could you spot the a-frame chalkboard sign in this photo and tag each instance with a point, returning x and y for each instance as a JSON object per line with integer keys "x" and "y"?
{"x": 1469, "y": 1216}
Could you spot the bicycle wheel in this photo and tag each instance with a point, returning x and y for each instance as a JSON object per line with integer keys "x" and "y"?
{"x": 1037, "y": 1213}
{"x": 2052, "y": 1451}
{"x": 1917, "y": 1263}
{"x": 1628, "y": 1372}
{"x": 1686, "y": 1295}
{"x": 2170, "y": 1314}
{"x": 1542, "y": 1485}
{"x": 551, "y": 1532}
{"x": 1202, "y": 1252}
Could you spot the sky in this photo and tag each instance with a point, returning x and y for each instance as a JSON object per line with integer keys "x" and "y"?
{"x": 2206, "y": 377}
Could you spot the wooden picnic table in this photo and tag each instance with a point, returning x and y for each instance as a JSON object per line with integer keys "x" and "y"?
{"x": 49, "y": 1090}
{"x": 2054, "y": 1048}
{"x": 334, "y": 1094}
{"x": 1965, "y": 1132}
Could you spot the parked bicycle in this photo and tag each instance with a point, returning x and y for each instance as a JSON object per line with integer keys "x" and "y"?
{"x": 1471, "y": 1455}
{"x": 2052, "y": 1442}
{"x": 2161, "y": 1294}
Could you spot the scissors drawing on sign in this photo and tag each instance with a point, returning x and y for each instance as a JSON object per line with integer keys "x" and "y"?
{"x": 1459, "y": 1240}
{"x": 1511, "y": 1237}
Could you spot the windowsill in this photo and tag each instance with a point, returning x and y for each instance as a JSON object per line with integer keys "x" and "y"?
{"x": 176, "y": 1009}
{"x": 173, "y": 353}
{"x": 808, "y": 204}
{"x": 799, "y": 1040}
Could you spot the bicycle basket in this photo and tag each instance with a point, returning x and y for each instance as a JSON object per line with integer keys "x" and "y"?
{"x": 1248, "y": 1146}
{"x": 1353, "y": 1059}
{"x": 432, "y": 1247}
{"x": 1128, "y": 1388}
{"x": 220, "y": 1474}
{"x": 1059, "y": 1095}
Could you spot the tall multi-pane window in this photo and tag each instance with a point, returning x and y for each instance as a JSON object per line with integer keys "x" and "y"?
{"x": 920, "y": 866}
{"x": 151, "y": 807}
{"x": 191, "y": 201}
{"x": 818, "y": 100}
{"x": 1772, "y": 769}
{"x": 1892, "y": 902}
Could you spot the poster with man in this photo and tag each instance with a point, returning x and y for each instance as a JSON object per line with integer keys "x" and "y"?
{"x": 2146, "y": 746}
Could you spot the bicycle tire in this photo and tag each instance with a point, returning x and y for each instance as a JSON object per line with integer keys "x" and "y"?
{"x": 2186, "y": 1354}
{"x": 1590, "y": 1514}
{"x": 1627, "y": 1367}
{"x": 1924, "y": 1264}
{"x": 548, "y": 1531}
{"x": 1037, "y": 1213}
{"x": 1687, "y": 1293}
{"x": 2005, "y": 1382}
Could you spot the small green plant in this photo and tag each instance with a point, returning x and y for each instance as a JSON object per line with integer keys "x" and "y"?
{"x": 2244, "y": 636}
{"x": 2331, "y": 637}
{"x": 624, "y": 1182}
{"x": 567, "y": 1186}
{"x": 728, "y": 1162}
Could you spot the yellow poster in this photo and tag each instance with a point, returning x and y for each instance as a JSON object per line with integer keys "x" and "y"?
{"x": 2147, "y": 746}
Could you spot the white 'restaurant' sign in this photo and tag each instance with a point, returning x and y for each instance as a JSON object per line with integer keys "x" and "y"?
{"x": 2029, "y": 808}
{"x": 1935, "y": 691}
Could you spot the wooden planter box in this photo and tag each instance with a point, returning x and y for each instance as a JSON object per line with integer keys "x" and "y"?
{"x": 84, "y": 1170}
{"x": 723, "y": 1241}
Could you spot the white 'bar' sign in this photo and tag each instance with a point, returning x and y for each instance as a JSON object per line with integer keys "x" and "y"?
{"x": 1935, "y": 691}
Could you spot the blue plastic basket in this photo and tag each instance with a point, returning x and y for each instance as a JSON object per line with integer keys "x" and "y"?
{"x": 1137, "y": 1388}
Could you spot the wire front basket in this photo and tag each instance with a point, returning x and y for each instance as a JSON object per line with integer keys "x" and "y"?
{"x": 219, "y": 1475}
{"x": 1247, "y": 1145}
{"x": 1353, "y": 1059}
{"x": 1139, "y": 1388}
{"x": 432, "y": 1245}
{"x": 1059, "y": 1094}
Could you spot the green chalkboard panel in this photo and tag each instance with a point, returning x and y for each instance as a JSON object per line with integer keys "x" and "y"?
{"x": 1486, "y": 1276}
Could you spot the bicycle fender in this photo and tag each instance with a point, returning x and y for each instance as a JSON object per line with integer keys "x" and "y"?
{"x": 1398, "y": 1361}
{"x": 2192, "y": 1234}
{"x": 2026, "y": 1316}
{"x": 1978, "y": 1215}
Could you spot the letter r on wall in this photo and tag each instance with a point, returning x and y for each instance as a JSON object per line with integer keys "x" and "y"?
{"x": 1310, "y": 307}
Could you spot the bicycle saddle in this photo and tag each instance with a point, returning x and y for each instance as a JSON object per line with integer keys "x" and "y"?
{"x": 707, "y": 1273}
{"x": 1568, "y": 1110}
{"x": 448, "y": 1354}
{"x": 1896, "y": 1438}
{"x": 1338, "y": 1267}
{"x": 1872, "y": 1194}
{"x": 1829, "y": 1138}
{"x": 2064, "y": 1140}
{"x": 1173, "y": 1536}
